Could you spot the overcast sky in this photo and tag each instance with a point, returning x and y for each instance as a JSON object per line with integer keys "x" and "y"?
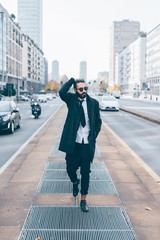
{"x": 76, "y": 30}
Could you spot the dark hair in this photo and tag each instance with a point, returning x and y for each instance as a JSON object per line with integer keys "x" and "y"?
{"x": 78, "y": 81}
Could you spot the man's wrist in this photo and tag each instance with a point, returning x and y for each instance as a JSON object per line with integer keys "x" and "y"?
{"x": 72, "y": 79}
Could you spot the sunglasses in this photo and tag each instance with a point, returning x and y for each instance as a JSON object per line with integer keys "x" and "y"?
{"x": 81, "y": 89}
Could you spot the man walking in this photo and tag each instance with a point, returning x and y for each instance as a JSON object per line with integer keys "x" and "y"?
{"x": 83, "y": 123}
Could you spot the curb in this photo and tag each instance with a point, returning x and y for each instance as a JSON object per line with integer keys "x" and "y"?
{"x": 138, "y": 159}
{"x": 142, "y": 115}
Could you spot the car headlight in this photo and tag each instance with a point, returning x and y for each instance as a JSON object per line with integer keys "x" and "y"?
{"x": 7, "y": 117}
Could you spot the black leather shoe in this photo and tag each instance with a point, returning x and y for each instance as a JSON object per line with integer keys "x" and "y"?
{"x": 84, "y": 206}
{"x": 75, "y": 188}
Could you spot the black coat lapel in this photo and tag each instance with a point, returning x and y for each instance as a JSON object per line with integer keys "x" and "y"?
{"x": 89, "y": 108}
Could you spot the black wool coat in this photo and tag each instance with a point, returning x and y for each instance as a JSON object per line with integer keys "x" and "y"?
{"x": 67, "y": 142}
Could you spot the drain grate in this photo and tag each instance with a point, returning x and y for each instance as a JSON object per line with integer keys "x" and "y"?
{"x": 77, "y": 235}
{"x": 100, "y": 175}
{"x": 55, "y": 174}
{"x": 67, "y": 218}
{"x": 55, "y": 187}
{"x": 96, "y": 187}
{"x": 56, "y": 165}
{"x": 62, "y": 165}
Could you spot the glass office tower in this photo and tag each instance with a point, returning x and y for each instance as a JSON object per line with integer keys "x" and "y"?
{"x": 30, "y": 19}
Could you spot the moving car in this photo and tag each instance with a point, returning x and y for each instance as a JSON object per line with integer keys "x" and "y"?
{"x": 109, "y": 103}
{"x": 42, "y": 98}
{"x": 9, "y": 116}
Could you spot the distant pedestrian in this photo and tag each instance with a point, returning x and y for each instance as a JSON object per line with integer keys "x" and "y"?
{"x": 82, "y": 126}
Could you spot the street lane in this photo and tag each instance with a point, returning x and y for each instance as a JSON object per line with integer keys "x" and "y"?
{"x": 143, "y": 106}
{"x": 142, "y": 136}
{"x": 10, "y": 143}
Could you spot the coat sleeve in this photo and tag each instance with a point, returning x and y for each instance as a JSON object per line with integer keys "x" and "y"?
{"x": 98, "y": 121}
{"x": 63, "y": 93}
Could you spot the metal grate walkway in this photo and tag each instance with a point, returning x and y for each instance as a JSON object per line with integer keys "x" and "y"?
{"x": 71, "y": 223}
{"x": 55, "y": 180}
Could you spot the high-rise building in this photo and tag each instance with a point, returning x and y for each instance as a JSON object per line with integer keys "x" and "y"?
{"x": 55, "y": 71}
{"x": 30, "y": 19}
{"x": 122, "y": 33}
{"x": 83, "y": 70}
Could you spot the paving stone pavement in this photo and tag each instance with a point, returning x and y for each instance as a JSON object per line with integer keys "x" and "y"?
{"x": 36, "y": 195}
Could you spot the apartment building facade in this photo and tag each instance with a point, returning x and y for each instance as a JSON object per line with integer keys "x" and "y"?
{"x": 153, "y": 61}
{"x": 33, "y": 66}
{"x": 131, "y": 67}
{"x": 122, "y": 33}
{"x": 11, "y": 51}
{"x": 21, "y": 60}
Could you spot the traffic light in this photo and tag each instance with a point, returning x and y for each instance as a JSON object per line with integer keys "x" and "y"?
{"x": 9, "y": 90}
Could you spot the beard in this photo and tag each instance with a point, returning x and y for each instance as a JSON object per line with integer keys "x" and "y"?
{"x": 82, "y": 95}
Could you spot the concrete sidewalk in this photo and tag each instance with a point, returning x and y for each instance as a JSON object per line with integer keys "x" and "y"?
{"x": 129, "y": 187}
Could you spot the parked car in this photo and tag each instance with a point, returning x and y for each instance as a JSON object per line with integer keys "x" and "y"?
{"x": 42, "y": 98}
{"x": 9, "y": 116}
{"x": 109, "y": 103}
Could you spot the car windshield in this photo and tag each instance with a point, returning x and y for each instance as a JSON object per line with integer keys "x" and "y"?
{"x": 108, "y": 99}
{"x": 5, "y": 106}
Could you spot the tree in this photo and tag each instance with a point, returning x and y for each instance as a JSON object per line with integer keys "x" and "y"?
{"x": 103, "y": 86}
{"x": 52, "y": 87}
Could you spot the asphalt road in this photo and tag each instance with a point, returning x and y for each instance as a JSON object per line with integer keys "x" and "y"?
{"x": 11, "y": 143}
{"x": 141, "y": 135}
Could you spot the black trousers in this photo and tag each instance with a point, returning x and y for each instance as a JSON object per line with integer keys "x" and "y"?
{"x": 79, "y": 158}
